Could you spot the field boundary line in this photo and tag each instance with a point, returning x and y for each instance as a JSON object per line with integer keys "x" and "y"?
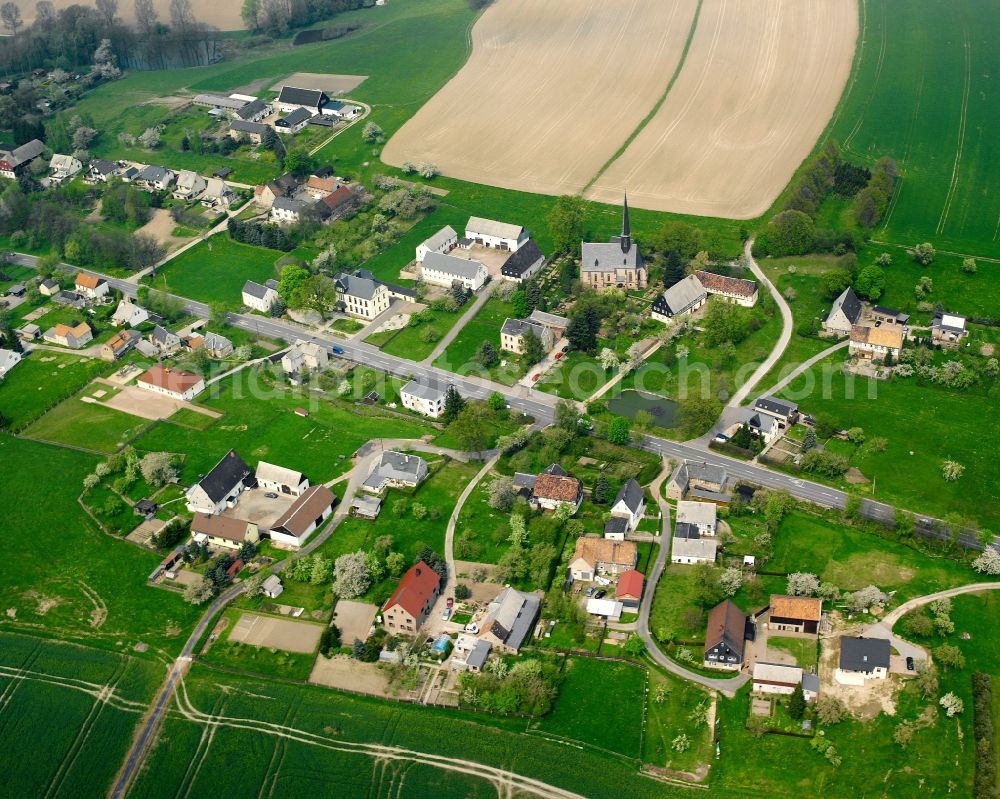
{"x": 656, "y": 106}
{"x": 962, "y": 122}
{"x": 986, "y": 258}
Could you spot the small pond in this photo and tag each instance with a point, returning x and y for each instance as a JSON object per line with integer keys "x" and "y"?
{"x": 629, "y": 402}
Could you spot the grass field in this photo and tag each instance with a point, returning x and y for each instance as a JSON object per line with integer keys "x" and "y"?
{"x": 216, "y": 269}
{"x": 56, "y": 700}
{"x": 609, "y": 718}
{"x": 327, "y": 753}
{"x": 86, "y": 424}
{"x": 260, "y": 424}
{"x": 65, "y": 576}
{"x": 921, "y": 93}
{"x": 802, "y": 649}
{"x": 923, "y": 425}
{"x": 41, "y": 381}
{"x": 409, "y": 342}
{"x": 460, "y": 355}
{"x": 256, "y": 659}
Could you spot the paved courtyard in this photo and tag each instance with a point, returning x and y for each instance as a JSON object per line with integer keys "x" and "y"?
{"x": 254, "y": 507}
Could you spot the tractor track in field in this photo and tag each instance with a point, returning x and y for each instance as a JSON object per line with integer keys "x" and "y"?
{"x": 962, "y": 122}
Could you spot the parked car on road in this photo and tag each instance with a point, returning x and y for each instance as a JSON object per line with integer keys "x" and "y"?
{"x": 337, "y": 350}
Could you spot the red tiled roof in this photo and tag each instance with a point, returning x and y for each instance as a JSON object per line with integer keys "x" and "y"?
{"x": 413, "y": 591}
{"x": 171, "y": 379}
{"x": 805, "y": 608}
{"x": 557, "y": 487}
{"x": 87, "y": 281}
{"x": 629, "y": 585}
{"x": 234, "y": 567}
{"x": 337, "y": 198}
{"x": 726, "y": 285}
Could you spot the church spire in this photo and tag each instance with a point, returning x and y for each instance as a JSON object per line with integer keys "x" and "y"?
{"x": 626, "y": 237}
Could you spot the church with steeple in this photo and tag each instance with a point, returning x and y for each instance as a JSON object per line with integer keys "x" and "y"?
{"x": 615, "y": 264}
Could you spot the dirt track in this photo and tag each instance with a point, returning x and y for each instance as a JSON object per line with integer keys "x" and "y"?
{"x": 550, "y": 92}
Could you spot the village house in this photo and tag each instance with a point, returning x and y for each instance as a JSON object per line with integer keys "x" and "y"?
{"x": 119, "y": 345}
{"x": 684, "y": 297}
{"x": 217, "y": 346}
{"x": 217, "y": 194}
{"x": 595, "y": 556}
{"x": 688, "y": 546}
{"x": 280, "y": 480}
{"x": 510, "y": 619}
{"x": 794, "y": 614}
{"x": 845, "y": 313}
{"x": 616, "y": 263}
{"x": 29, "y": 332}
{"x": 223, "y": 532}
{"x": 189, "y": 185}
{"x": 8, "y": 360}
{"x": 261, "y": 297}
{"x": 446, "y": 270}
{"x": 304, "y": 356}
{"x": 128, "y": 313}
{"x": 293, "y": 122}
{"x": 555, "y": 324}
{"x": 407, "y": 608}
{"x": 881, "y": 315}
{"x": 701, "y": 515}
{"x": 75, "y": 337}
{"x": 165, "y": 341}
{"x": 523, "y": 263}
{"x": 91, "y": 287}
{"x": 490, "y": 233}
{"x": 760, "y": 425}
{"x": 254, "y": 111}
{"x": 861, "y": 659}
{"x": 700, "y": 479}
{"x": 173, "y": 383}
{"x": 303, "y": 517}
{"x": 610, "y": 609}
{"x": 629, "y": 504}
{"x": 284, "y": 186}
{"x": 513, "y": 332}
{"x": 154, "y": 178}
{"x": 16, "y": 161}
{"x": 876, "y": 343}
{"x": 63, "y": 168}
{"x": 342, "y": 110}
{"x": 48, "y": 287}
{"x": 288, "y": 210}
{"x": 334, "y": 205}
{"x": 426, "y": 398}
{"x": 470, "y": 654}
{"x": 101, "y": 171}
{"x": 70, "y": 299}
{"x": 629, "y": 589}
{"x": 948, "y": 329}
{"x": 254, "y": 132}
{"x": 360, "y": 295}
{"x": 725, "y": 636}
{"x": 554, "y": 487}
{"x": 221, "y": 487}
{"x": 781, "y": 679}
{"x": 444, "y": 241}
{"x": 732, "y": 289}
{"x": 395, "y": 470}
{"x": 291, "y": 98}
{"x": 272, "y": 587}
{"x": 785, "y": 412}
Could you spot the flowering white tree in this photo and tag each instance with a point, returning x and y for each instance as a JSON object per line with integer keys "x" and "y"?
{"x": 867, "y": 597}
{"x": 802, "y": 584}
{"x": 608, "y": 359}
{"x": 350, "y": 575}
{"x": 952, "y": 704}
{"x": 952, "y": 470}
{"x": 988, "y": 562}
{"x": 731, "y": 580}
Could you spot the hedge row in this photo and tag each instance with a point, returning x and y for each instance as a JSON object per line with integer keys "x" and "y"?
{"x": 986, "y": 752}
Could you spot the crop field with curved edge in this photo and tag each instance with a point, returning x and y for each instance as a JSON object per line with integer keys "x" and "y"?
{"x": 703, "y": 108}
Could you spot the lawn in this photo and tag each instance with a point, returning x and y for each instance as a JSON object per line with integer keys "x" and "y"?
{"x": 609, "y": 718}
{"x": 65, "y": 576}
{"x": 670, "y": 704}
{"x": 85, "y": 739}
{"x": 260, "y": 424}
{"x": 460, "y": 356}
{"x": 923, "y": 425}
{"x": 215, "y": 270}
{"x": 412, "y": 342}
{"x": 804, "y": 650}
{"x": 256, "y": 659}
{"x": 298, "y": 766}
{"x": 42, "y": 381}
{"x": 90, "y": 425}
{"x": 577, "y": 376}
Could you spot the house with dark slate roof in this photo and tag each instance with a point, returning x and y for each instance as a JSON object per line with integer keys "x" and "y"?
{"x": 293, "y": 122}
{"x": 222, "y": 486}
{"x": 261, "y": 297}
{"x": 844, "y": 314}
{"x": 523, "y": 263}
{"x": 784, "y": 411}
{"x": 311, "y": 100}
{"x": 510, "y": 619}
{"x": 629, "y": 504}
{"x": 395, "y": 470}
{"x": 684, "y": 297}
{"x": 360, "y": 295}
{"x": 725, "y": 636}
{"x": 861, "y": 659}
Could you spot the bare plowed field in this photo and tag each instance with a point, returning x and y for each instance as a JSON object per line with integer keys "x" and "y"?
{"x": 760, "y": 82}
{"x": 551, "y": 91}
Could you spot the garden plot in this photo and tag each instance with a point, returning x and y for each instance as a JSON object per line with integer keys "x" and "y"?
{"x": 290, "y": 636}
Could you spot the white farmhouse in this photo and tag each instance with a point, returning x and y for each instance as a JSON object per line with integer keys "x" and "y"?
{"x": 221, "y": 487}
{"x": 702, "y": 515}
{"x": 426, "y": 398}
{"x": 261, "y": 297}
{"x": 128, "y": 313}
{"x": 8, "y": 360}
{"x": 684, "y": 297}
{"x": 360, "y": 295}
{"x": 90, "y": 286}
{"x": 281, "y": 480}
{"x": 303, "y": 517}
{"x": 446, "y": 270}
{"x": 304, "y": 356}
{"x": 173, "y": 383}
{"x": 490, "y": 233}
{"x": 444, "y": 241}
{"x": 63, "y": 167}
